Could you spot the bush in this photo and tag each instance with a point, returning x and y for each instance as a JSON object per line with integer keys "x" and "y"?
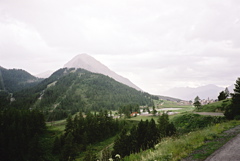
{"x": 190, "y": 122}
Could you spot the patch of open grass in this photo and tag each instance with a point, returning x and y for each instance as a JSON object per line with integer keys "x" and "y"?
{"x": 144, "y": 118}
{"x": 56, "y": 128}
{"x": 212, "y": 107}
{"x": 98, "y": 147}
{"x": 171, "y": 104}
{"x": 176, "y": 148}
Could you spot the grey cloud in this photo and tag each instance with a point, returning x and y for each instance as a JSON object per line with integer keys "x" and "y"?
{"x": 154, "y": 43}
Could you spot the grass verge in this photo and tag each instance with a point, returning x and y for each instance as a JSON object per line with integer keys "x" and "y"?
{"x": 176, "y": 148}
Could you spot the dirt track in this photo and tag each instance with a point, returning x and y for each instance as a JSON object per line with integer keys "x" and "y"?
{"x": 228, "y": 152}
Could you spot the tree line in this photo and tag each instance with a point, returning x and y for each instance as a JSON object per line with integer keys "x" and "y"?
{"x": 143, "y": 136}
{"x": 81, "y": 131}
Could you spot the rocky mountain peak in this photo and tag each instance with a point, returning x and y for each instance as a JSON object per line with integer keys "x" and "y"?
{"x": 89, "y": 63}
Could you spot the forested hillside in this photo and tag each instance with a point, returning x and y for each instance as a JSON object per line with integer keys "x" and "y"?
{"x": 20, "y": 135}
{"x": 13, "y": 80}
{"x": 72, "y": 90}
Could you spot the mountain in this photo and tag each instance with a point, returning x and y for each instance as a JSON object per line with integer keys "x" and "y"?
{"x": 204, "y": 92}
{"x": 87, "y": 62}
{"x": 69, "y": 90}
{"x": 13, "y": 80}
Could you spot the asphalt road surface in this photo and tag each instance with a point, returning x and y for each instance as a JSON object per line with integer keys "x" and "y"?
{"x": 228, "y": 152}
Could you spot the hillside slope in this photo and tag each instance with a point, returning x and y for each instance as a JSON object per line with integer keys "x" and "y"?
{"x": 71, "y": 90}
{"x": 13, "y": 80}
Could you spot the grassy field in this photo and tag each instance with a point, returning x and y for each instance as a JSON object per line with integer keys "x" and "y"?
{"x": 171, "y": 104}
{"x": 213, "y": 107}
{"x": 176, "y": 148}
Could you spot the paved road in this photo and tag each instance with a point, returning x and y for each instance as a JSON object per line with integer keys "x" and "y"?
{"x": 228, "y": 152}
{"x": 210, "y": 113}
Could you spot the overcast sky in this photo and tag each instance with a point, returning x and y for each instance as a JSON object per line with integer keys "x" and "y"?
{"x": 157, "y": 44}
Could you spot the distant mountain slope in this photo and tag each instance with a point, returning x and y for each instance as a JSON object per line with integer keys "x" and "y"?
{"x": 69, "y": 90}
{"x": 204, "y": 92}
{"x": 12, "y": 80}
{"x": 169, "y": 98}
{"x": 45, "y": 74}
{"x": 87, "y": 62}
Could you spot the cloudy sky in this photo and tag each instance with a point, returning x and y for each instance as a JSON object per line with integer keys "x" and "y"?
{"x": 157, "y": 44}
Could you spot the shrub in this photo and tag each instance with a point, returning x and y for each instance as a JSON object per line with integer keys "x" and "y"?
{"x": 190, "y": 122}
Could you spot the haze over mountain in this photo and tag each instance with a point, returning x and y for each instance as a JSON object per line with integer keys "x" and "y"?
{"x": 89, "y": 63}
{"x": 204, "y": 92}
{"x": 45, "y": 74}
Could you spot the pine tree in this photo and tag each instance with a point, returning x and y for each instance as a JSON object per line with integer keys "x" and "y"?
{"x": 152, "y": 134}
{"x": 69, "y": 125}
{"x": 197, "y": 102}
{"x": 133, "y": 144}
{"x": 233, "y": 110}
{"x": 154, "y": 111}
{"x": 148, "y": 110}
{"x": 35, "y": 149}
{"x": 56, "y": 146}
{"x": 222, "y": 96}
{"x": 121, "y": 144}
{"x": 165, "y": 127}
{"x": 227, "y": 93}
{"x": 141, "y": 134}
{"x": 69, "y": 151}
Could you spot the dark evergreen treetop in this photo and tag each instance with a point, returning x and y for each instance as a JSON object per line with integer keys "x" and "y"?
{"x": 222, "y": 96}
{"x": 19, "y": 134}
{"x": 233, "y": 110}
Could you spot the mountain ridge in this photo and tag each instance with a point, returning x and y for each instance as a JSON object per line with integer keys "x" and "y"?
{"x": 210, "y": 91}
{"x": 13, "y": 80}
